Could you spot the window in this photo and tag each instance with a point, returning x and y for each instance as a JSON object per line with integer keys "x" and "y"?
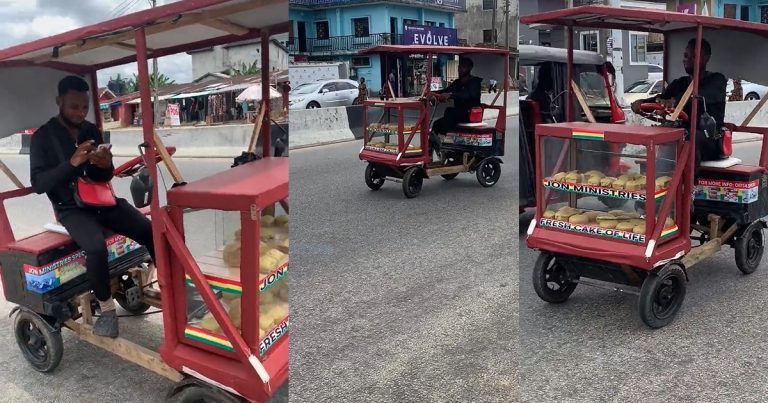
{"x": 361, "y": 61}
{"x": 729, "y": 11}
{"x": 341, "y": 86}
{"x": 637, "y": 48}
{"x": 331, "y": 87}
{"x": 429, "y": 23}
{"x": 488, "y": 35}
{"x": 361, "y": 27}
{"x": 764, "y": 14}
{"x": 589, "y": 41}
{"x": 745, "y": 13}
{"x": 488, "y": 4}
{"x": 657, "y": 88}
{"x": 410, "y": 22}
{"x": 321, "y": 27}
{"x": 442, "y": 24}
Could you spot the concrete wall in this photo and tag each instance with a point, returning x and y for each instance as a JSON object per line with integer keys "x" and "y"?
{"x": 219, "y": 59}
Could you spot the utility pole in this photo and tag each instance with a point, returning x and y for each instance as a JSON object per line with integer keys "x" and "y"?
{"x": 495, "y": 39}
{"x": 506, "y": 23}
{"x": 154, "y": 85}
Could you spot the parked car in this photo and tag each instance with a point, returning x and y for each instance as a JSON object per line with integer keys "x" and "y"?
{"x": 655, "y": 72}
{"x": 323, "y": 94}
{"x": 750, "y": 91}
{"x": 643, "y": 89}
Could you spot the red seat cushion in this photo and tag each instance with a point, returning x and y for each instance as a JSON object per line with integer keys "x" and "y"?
{"x": 40, "y": 243}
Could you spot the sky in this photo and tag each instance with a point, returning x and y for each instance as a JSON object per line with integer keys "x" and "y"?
{"x": 26, "y": 20}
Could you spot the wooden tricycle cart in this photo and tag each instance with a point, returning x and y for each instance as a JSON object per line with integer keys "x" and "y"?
{"x": 397, "y": 145}
{"x": 224, "y": 312}
{"x": 645, "y": 244}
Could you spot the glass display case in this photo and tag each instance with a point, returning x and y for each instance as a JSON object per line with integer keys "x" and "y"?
{"x": 608, "y": 183}
{"x": 399, "y": 132}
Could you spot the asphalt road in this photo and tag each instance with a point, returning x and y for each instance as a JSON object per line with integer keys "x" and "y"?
{"x": 595, "y": 347}
{"x": 396, "y": 299}
{"x": 86, "y": 373}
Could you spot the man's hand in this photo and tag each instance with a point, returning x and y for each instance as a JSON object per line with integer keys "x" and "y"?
{"x": 444, "y": 97}
{"x": 82, "y": 153}
{"x": 101, "y": 158}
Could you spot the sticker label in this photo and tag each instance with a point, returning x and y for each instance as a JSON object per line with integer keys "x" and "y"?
{"x": 599, "y": 190}
{"x": 466, "y": 139}
{"x": 604, "y": 232}
{"x": 727, "y": 191}
{"x": 52, "y": 275}
{"x": 278, "y": 332}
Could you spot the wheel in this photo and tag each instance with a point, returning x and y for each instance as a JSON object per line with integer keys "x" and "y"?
{"x": 313, "y": 105}
{"x": 129, "y": 296}
{"x": 661, "y": 296}
{"x": 203, "y": 394}
{"x": 372, "y": 178}
{"x": 749, "y": 248}
{"x": 42, "y": 347}
{"x": 488, "y": 172}
{"x": 356, "y": 101}
{"x": 752, "y": 96}
{"x": 412, "y": 181}
{"x": 450, "y": 176}
{"x": 550, "y": 280}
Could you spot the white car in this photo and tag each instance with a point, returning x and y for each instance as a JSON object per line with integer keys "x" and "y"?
{"x": 750, "y": 91}
{"x": 655, "y": 72}
{"x": 643, "y": 89}
{"x": 323, "y": 94}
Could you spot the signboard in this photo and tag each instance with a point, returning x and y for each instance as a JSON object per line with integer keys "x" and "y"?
{"x": 429, "y": 36}
{"x": 436, "y": 84}
{"x": 173, "y": 113}
{"x": 687, "y": 8}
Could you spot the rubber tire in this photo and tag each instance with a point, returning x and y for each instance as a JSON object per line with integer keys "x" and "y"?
{"x": 753, "y": 95}
{"x": 648, "y": 291}
{"x": 412, "y": 182}
{"x": 52, "y": 342}
{"x": 479, "y": 172}
{"x": 540, "y": 281}
{"x": 356, "y": 101}
{"x": 313, "y": 105}
{"x": 370, "y": 180}
{"x": 450, "y": 176}
{"x": 743, "y": 262}
{"x": 195, "y": 393}
{"x": 135, "y": 309}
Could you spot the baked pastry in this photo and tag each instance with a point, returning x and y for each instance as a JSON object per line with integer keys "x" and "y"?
{"x": 625, "y": 226}
{"x": 578, "y": 219}
{"x": 594, "y": 180}
{"x": 559, "y": 177}
{"x": 594, "y": 173}
{"x": 574, "y": 177}
{"x": 663, "y": 182}
{"x": 592, "y": 215}
{"x": 549, "y": 214}
{"x": 619, "y": 184}
{"x": 608, "y": 223}
{"x": 617, "y": 213}
{"x": 639, "y": 229}
{"x": 669, "y": 222}
{"x": 607, "y": 181}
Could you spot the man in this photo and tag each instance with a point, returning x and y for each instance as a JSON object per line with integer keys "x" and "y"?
{"x": 465, "y": 93}
{"x": 362, "y": 91}
{"x": 78, "y": 140}
{"x": 712, "y": 87}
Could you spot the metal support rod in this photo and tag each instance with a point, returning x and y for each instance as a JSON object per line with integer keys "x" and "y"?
{"x": 266, "y": 127}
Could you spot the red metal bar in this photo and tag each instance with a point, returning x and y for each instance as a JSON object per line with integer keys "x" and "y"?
{"x": 249, "y": 279}
{"x": 672, "y": 193}
{"x": 569, "y": 75}
{"x": 691, "y": 164}
{"x": 96, "y": 103}
{"x": 266, "y": 126}
{"x": 666, "y": 60}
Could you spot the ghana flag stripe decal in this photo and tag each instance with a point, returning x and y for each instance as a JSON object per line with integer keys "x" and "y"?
{"x": 587, "y": 135}
{"x": 208, "y": 338}
{"x": 667, "y": 232}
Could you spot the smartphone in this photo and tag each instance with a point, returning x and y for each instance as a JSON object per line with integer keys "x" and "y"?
{"x": 105, "y": 146}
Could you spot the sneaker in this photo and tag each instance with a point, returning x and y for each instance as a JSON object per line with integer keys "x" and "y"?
{"x": 106, "y": 325}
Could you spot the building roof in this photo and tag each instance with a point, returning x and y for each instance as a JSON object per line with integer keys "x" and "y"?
{"x": 172, "y": 28}
{"x": 416, "y": 49}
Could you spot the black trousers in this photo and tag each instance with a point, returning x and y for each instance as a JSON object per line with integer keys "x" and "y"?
{"x": 86, "y": 228}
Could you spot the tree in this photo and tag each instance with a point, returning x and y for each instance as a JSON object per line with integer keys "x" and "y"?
{"x": 118, "y": 86}
{"x": 162, "y": 81}
{"x": 245, "y": 70}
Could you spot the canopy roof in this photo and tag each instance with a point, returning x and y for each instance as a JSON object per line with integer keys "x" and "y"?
{"x": 642, "y": 20}
{"x": 173, "y": 28}
{"x": 532, "y": 54}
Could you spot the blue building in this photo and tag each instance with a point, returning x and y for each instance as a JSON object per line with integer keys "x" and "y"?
{"x": 336, "y": 30}
{"x": 745, "y": 10}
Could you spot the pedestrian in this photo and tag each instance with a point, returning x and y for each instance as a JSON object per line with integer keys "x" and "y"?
{"x": 492, "y": 86}
{"x": 362, "y": 91}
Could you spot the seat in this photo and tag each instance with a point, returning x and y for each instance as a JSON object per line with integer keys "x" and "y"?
{"x": 40, "y": 243}
{"x": 725, "y": 163}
